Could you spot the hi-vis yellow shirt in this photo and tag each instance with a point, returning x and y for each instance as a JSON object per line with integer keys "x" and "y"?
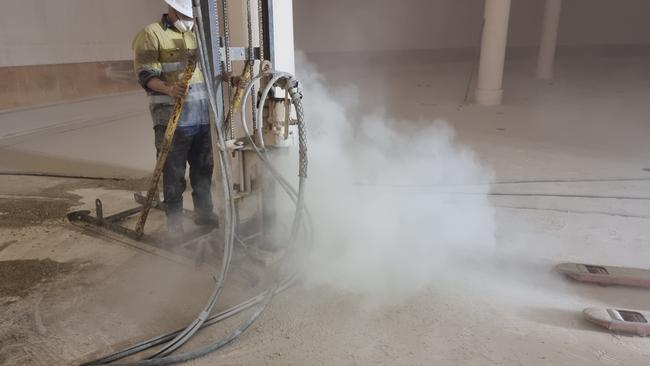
{"x": 164, "y": 51}
{"x": 161, "y": 51}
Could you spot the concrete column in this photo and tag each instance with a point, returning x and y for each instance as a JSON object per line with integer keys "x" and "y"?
{"x": 548, "y": 43}
{"x": 493, "y": 52}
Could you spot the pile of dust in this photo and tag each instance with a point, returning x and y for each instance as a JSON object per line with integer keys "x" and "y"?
{"x": 380, "y": 192}
{"x": 22, "y": 212}
{"x": 18, "y": 277}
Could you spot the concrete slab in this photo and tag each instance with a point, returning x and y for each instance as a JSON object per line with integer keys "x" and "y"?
{"x": 584, "y": 135}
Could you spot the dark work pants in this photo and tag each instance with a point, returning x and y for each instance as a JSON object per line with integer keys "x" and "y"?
{"x": 191, "y": 145}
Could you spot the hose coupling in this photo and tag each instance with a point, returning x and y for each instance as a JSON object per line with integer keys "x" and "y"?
{"x": 295, "y": 90}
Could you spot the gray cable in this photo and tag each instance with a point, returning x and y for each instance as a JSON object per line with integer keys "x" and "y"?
{"x": 184, "y": 336}
{"x": 266, "y": 296}
{"x": 297, "y": 196}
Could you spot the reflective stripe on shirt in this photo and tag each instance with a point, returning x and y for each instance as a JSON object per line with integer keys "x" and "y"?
{"x": 166, "y": 99}
{"x": 172, "y": 66}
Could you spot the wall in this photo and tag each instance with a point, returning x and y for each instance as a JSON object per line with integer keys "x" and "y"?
{"x": 370, "y": 25}
{"x": 68, "y": 49}
{"x": 605, "y": 22}
{"x": 362, "y": 25}
{"x": 37, "y": 32}
{"x": 89, "y": 41}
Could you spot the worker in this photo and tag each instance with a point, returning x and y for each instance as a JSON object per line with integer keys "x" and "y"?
{"x": 161, "y": 52}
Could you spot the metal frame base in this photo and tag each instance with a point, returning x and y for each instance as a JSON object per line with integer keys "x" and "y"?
{"x": 199, "y": 244}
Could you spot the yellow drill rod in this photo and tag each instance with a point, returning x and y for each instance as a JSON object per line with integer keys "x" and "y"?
{"x": 247, "y": 74}
{"x": 164, "y": 151}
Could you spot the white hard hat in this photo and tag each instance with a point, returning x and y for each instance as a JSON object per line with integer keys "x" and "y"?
{"x": 182, "y": 6}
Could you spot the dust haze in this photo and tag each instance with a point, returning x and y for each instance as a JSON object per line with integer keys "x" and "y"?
{"x": 381, "y": 193}
{"x": 401, "y": 208}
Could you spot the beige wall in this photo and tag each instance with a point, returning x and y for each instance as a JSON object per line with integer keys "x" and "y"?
{"x": 37, "y": 32}
{"x": 365, "y": 25}
{"x": 606, "y": 22}
{"x": 71, "y": 31}
{"x": 59, "y": 50}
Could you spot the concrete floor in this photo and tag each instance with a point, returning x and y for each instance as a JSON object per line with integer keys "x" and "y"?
{"x": 85, "y": 137}
{"x": 582, "y": 135}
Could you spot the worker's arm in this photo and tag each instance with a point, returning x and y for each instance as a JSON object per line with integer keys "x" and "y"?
{"x": 148, "y": 67}
{"x": 175, "y": 90}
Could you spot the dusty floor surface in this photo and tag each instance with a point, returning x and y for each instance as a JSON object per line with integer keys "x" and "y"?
{"x": 66, "y": 293}
{"x": 570, "y": 161}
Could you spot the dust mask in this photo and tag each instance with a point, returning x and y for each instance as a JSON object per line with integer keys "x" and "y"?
{"x": 184, "y": 25}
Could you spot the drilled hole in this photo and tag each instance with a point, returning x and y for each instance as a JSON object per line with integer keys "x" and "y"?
{"x": 632, "y": 316}
{"x": 597, "y": 270}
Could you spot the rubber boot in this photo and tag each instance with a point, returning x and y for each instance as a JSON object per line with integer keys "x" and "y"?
{"x": 207, "y": 218}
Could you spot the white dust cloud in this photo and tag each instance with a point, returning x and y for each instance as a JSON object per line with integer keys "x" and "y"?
{"x": 386, "y": 222}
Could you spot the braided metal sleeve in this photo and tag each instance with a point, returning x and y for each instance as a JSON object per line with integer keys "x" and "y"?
{"x": 260, "y": 18}
{"x": 226, "y": 45}
{"x": 296, "y": 96}
{"x": 251, "y": 57}
{"x": 249, "y": 20}
{"x": 226, "y": 35}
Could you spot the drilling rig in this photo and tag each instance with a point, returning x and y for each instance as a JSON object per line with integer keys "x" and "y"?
{"x": 257, "y": 114}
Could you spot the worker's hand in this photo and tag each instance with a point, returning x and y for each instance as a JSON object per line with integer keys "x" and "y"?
{"x": 177, "y": 90}
{"x": 232, "y": 79}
